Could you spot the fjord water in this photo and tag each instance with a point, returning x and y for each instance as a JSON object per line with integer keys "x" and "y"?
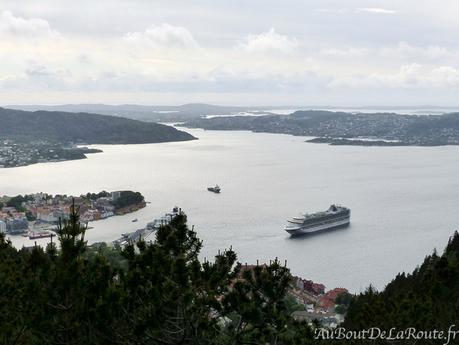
{"x": 404, "y": 200}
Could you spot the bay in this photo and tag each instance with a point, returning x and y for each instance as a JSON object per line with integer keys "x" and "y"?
{"x": 404, "y": 200}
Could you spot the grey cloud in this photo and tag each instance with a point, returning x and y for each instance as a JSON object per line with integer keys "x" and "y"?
{"x": 25, "y": 27}
{"x": 38, "y": 71}
{"x": 354, "y": 48}
{"x": 163, "y": 36}
{"x": 269, "y": 42}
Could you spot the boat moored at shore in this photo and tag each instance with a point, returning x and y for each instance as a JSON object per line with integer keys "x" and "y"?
{"x": 33, "y": 235}
{"x": 147, "y": 232}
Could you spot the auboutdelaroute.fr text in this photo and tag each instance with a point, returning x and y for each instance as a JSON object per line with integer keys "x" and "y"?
{"x": 445, "y": 337}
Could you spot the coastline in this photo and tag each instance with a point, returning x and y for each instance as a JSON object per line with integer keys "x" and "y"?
{"x": 21, "y": 215}
{"x": 130, "y": 209}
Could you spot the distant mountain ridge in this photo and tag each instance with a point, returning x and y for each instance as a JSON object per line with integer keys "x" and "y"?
{"x": 186, "y": 112}
{"x": 419, "y": 130}
{"x": 165, "y": 113}
{"x": 64, "y": 127}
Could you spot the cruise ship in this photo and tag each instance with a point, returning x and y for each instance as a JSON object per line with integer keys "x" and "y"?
{"x": 336, "y": 216}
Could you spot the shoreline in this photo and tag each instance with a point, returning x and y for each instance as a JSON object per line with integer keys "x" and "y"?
{"x": 130, "y": 209}
{"x": 22, "y": 214}
{"x": 83, "y": 151}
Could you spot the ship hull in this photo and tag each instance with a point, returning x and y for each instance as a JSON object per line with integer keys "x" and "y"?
{"x": 38, "y": 236}
{"x": 303, "y": 230}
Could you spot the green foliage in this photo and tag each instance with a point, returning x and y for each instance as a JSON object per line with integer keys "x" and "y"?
{"x": 30, "y": 216}
{"x": 146, "y": 293}
{"x": 292, "y": 305}
{"x": 128, "y": 198}
{"x": 330, "y": 126}
{"x": 113, "y": 255}
{"x": 427, "y": 299}
{"x": 17, "y": 201}
{"x": 161, "y": 293}
{"x": 95, "y": 196}
{"x": 62, "y": 127}
{"x": 344, "y": 298}
{"x": 340, "y": 309}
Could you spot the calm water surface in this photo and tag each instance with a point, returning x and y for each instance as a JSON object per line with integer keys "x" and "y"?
{"x": 404, "y": 200}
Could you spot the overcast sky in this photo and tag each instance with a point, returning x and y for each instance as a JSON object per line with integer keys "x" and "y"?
{"x": 234, "y": 52}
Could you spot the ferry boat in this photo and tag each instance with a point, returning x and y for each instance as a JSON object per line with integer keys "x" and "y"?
{"x": 335, "y": 217}
{"x": 215, "y": 189}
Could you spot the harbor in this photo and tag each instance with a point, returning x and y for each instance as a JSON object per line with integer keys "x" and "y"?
{"x": 147, "y": 233}
{"x": 36, "y": 215}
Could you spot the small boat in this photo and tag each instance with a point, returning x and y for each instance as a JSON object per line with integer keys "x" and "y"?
{"x": 134, "y": 220}
{"x": 215, "y": 189}
{"x": 42, "y": 234}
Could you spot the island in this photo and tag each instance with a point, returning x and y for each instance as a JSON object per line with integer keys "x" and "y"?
{"x": 341, "y": 128}
{"x": 356, "y": 142}
{"x": 43, "y": 136}
{"x": 41, "y": 212}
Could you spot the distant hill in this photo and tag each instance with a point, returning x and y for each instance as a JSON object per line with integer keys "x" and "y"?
{"x": 420, "y": 130}
{"x": 86, "y": 128}
{"x": 143, "y": 112}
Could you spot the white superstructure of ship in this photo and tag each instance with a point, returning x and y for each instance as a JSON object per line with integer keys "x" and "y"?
{"x": 335, "y": 217}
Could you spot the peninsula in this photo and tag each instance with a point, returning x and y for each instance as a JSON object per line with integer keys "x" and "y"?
{"x": 41, "y": 211}
{"x": 340, "y": 128}
{"x": 42, "y": 136}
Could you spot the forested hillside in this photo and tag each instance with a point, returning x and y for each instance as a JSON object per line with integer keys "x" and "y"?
{"x": 161, "y": 293}
{"x": 426, "y": 299}
{"x": 85, "y": 128}
{"x": 422, "y": 130}
{"x": 147, "y": 293}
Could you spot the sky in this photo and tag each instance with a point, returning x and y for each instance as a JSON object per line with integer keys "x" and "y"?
{"x": 238, "y": 52}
